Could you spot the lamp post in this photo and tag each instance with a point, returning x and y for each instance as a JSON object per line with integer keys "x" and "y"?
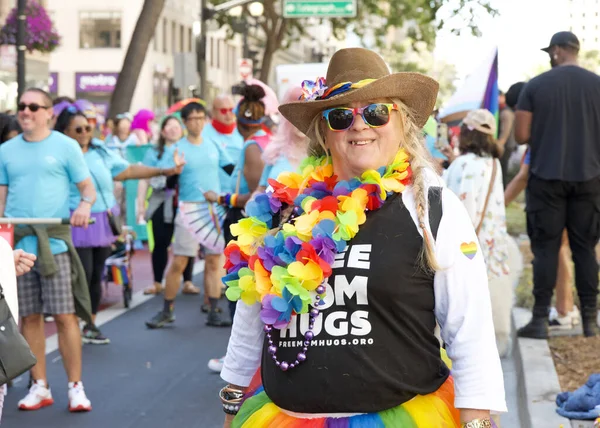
{"x": 20, "y": 47}
{"x": 207, "y": 12}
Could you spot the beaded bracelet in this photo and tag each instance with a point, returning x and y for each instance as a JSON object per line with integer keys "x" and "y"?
{"x": 228, "y": 200}
{"x": 224, "y": 199}
{"x": 231, "y": 399}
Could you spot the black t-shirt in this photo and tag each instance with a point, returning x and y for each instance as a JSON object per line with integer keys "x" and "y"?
{"x": 374, "y": 346}
{"x": 565, "y": 129}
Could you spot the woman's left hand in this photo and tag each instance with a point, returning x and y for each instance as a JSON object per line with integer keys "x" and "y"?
{"x": 23, "y": 261}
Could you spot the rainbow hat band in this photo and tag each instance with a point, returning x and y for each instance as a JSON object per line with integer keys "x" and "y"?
{"x": 318, "y": 89}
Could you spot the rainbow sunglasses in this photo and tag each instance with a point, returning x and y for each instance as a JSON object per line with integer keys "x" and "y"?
{"x": 375, "y": 115}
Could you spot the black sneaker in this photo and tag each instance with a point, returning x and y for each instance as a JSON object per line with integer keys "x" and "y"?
{"x": 216, "y": 319}
{"x": 160, "y": 320}
{"x": 92, "y": 334}
{"x": 537, "y": 328}
{"x": 589, "y": 323}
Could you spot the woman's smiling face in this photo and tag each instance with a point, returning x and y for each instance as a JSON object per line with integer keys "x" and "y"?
{"x": 361, "y": 147}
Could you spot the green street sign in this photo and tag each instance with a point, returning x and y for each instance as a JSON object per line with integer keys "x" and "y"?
{"x": 319, "y": 8}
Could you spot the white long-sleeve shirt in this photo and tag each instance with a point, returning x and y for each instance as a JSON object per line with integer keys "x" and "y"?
{"x": 462, "y": 309}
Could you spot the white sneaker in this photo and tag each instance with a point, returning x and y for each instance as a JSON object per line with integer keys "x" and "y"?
{"x": 38, "y": 396}
{"x": 567, "y": 322}
{"x": 216, "y": 364}
{"x": 78, "y": 402}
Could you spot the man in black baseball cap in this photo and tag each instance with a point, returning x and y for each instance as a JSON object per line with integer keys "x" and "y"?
{"x": 558, "y": 115}
{"x": 564, "y": 47}
{"x": 563, "y": 38}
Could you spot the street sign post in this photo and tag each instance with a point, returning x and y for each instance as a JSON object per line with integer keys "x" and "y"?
{"x": 319, "y": 8}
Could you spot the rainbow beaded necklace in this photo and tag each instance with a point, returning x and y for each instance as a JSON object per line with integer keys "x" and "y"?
{"x": 285, "y": 269}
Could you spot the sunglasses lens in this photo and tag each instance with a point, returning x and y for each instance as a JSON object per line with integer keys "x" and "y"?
{"x": 340, "y": 119}
{"x": 22, "y": 106}
{"x": 376, "y": 114}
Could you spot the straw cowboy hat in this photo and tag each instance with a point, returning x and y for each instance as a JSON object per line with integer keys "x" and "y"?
{"x": 361, "y": 75}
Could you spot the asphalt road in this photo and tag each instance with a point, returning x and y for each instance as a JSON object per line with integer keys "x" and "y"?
{"x": 144, "y": 378}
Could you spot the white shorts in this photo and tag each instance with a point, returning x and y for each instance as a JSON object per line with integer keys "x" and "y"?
{"x": 184, "y": 243}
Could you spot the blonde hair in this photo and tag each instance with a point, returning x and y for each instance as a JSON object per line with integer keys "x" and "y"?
{"x": 413, "y": 143}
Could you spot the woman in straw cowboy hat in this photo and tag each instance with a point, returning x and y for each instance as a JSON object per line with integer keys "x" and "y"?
{"x": 343, "y": 271}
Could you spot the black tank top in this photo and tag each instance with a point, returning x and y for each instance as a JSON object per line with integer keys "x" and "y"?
{"x": 374, "y": 346}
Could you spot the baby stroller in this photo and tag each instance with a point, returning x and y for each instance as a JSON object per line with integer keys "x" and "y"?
{"x": 117, "y": 268}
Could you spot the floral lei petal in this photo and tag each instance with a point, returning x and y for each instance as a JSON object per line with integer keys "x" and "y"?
{"x": 280, "y": 271}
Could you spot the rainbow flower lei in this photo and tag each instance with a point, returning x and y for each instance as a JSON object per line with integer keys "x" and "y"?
{"x": 283, "y": 270}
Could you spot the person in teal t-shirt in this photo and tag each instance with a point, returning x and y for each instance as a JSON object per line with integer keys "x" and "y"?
{"x": 201, "y": 174}
{"x": 36, "y": 171}
{"x": 158, "y": 208}
{"x": 223, "y": 132}
{"x": 94, "y": 243}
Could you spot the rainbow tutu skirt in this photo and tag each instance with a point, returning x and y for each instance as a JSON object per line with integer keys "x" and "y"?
{"x": 435, "y": 410}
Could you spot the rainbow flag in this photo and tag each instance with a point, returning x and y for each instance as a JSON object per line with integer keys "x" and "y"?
{"x": 120, "y": 275}
{"x": 490, "y": 98}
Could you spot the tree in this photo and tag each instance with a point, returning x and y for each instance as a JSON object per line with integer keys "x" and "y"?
{"x": 418, "y": 16}
{"x": 136, "y": 54}
{"x": 590, "y": 60}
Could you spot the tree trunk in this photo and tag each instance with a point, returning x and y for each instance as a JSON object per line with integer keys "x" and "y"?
{"x": 136, "y": 54}
{"x": 267, "y": 60}
{"x": 275, "y": 34}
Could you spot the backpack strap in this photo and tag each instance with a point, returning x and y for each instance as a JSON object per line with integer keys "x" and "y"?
{"x": 435, "y": 209}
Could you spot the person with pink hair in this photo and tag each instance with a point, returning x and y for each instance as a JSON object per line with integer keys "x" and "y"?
{"x": 287, "y": 148}
{"x": 141, "y": 126}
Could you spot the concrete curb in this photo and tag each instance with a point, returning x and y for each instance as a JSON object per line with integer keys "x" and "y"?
{"x": 537, "y": 377}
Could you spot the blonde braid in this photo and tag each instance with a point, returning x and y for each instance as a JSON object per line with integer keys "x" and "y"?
{"x": 414, "y": 145}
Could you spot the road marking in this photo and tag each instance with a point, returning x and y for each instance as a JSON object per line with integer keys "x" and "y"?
{"x": 116, "y": 310}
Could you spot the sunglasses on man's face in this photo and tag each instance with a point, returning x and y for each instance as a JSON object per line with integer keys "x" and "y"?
{"x": 375, "y": 115}
{"x": 33, "y": 107}
{"x": 224, "y": 111}
{"x": 82, "y": 129}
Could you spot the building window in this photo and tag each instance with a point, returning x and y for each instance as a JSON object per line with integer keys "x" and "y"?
{"x": 164, "y": 35}
{"x": 219, "y": 50}
{"x": 173, "y": 37}
{"x": 181, "y": 39}
{"x": 191, "y": 40}
{"x": 99, "y": 30}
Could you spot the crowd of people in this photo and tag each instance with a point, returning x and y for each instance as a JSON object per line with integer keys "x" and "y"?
{"x": 345, "y": 238}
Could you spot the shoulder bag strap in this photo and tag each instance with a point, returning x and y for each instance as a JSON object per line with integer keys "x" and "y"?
{"x": 487, "y": 198}
{"x": 435, "y": 209}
